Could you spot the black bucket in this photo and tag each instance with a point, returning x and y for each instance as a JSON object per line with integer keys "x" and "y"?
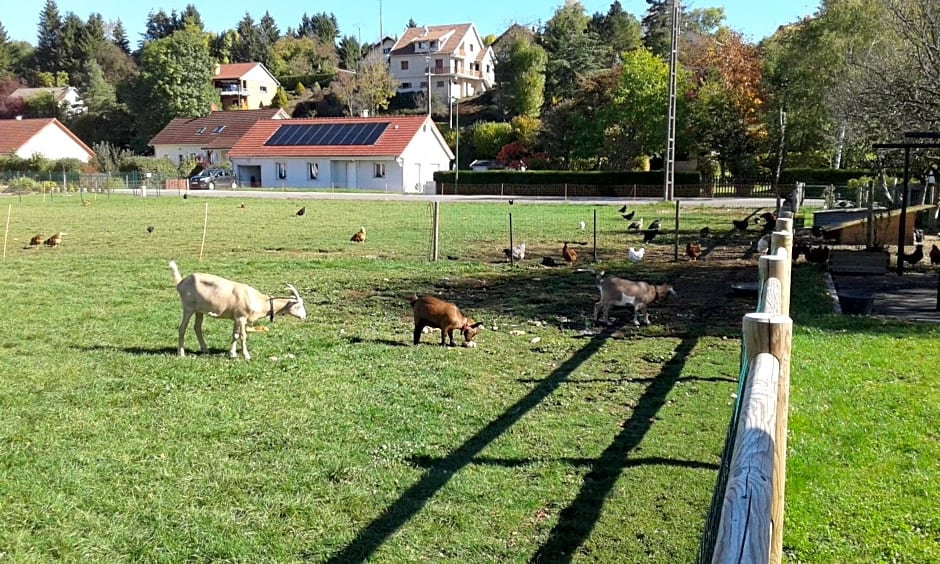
{"x": 856, "y": 303}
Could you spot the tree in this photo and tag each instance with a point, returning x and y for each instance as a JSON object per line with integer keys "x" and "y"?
{"x": 249, "y": 45}
{"x": 5, "y": 58}
{"x": 570, "y": 48}
{"x": 411, "y": 23}
{"x": 617, "y": 30}
{"x": 350, "y": 51}
{"x": 175, "y": 80}
{"x": 375, "y": 83}
{"x": 656, "y": 26}
{"x": 119, "y": 37}
{"x": 48, "y": 54}
{"x": 280, "y": 99}
{"x": 525, "y": 86}
{"x": 98, "y": 94}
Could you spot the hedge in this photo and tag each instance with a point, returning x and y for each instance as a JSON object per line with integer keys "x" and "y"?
{"x": 597, "y": 178}
{"x": 840, "y": 176}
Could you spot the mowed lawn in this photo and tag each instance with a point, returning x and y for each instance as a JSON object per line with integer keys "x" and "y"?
{"x": 339, "y": 441}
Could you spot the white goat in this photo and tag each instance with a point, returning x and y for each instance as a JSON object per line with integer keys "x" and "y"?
{"x": 207, "y": 294}
{"x": 621, "y": 292}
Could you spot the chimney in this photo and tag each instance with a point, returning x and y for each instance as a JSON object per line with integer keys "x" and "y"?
{"x": 364, "y": 113}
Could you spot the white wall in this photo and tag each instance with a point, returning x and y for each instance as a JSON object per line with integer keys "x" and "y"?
{"x": 53, "y": 143}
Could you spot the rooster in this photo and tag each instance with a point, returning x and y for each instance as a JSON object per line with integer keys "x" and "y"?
{"x": 359, "y": 236}
{"x": 36, "y": 240}
{"x": 635, "y": 255}
{"x": 693, "y": 250}
{"x": 636, "y": 225}
{"x": 934, "y": 254}
{"x": 516, "y": 253}
{"x": 740, "y": 224}
{"x": 915, "y": 257}
{"x": 569, "y": 254}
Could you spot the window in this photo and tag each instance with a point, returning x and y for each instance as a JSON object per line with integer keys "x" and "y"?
{"x": 440, "y": 84}
{"x": 406, "y": 85}
{"x": 200, "y": 130}
{"x": 313, "y": 170}
{"x": 263, "y": 88}
{"x": 471, "y": 47}
{"x": 218, "y": 129}
{"x": 380, "y": 170}
{"x": 404, "y": 65}
{"x": 281, "y": 170}
{"x": 438, "y": 63}
{"x": 424, "y": 85}
{"x": 386, "y": 50}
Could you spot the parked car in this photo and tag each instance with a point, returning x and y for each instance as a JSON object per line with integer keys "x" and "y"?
{"x": 212, "y": 178}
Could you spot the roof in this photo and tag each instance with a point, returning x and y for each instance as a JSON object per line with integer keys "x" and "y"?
{"x": 202, "y": 130}
{"x": 405, "y": 44}
{"x": 235, "y": 71}
{"x": 14, "y": 133}
{"x": 58, "y": 92}
{"x": 395, "y": 137}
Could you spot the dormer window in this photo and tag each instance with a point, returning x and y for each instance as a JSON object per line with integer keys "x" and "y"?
{"x": 200, "y": 130}
{"x": 218, "y": 129}
{"x": 435, "y": 45}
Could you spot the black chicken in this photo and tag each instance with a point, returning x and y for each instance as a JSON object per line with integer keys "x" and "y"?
{"x": 935, "y": 254}
{"x": 623, "y": 209}
{"x": 818, "y": 255}
{"x": 548, "y": 261}
{"x": 740, "y": 224}
{"x": 656, "y": 225}
{"x": 915, "y": 257}
{"x": 627, "y": 216}
{"x": 801, "y": 248}
{"x": 704, "y": 232}
{"x": 302, "y": 210}
{"x": 818, "y": 231}
{"x": 650, "y": 234}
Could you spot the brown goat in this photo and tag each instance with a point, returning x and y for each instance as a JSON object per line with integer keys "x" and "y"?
{"x": 432, "y": 312}
{"x": 621, "y": 292}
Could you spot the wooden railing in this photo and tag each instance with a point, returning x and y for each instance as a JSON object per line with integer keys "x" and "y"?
{"x": 750, "y": 527}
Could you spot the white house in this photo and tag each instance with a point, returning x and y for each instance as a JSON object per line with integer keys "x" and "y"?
{"x": 382, "y": 48}
{"x": 454, "y": 55}
{"x": 390, "y": 153}
{"x": 207, "y": 139}
{"x": 65, "y": 95}
{"x": 46, "y": 137}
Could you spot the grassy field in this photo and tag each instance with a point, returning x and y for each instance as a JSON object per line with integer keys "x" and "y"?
{"x": 339, "y": 441}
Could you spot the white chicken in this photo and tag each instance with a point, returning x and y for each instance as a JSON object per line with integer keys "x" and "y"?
{"x": 516, "y": 253}
{"x": 582, "y": 225}
{"x": 763, "y": 244}
{"x": 636, "y": 255}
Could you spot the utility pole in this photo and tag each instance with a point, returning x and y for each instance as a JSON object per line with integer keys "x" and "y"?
{"x": 670, "y": 161}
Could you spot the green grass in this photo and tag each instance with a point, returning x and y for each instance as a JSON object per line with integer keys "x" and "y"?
{"x": 339, "y": 440}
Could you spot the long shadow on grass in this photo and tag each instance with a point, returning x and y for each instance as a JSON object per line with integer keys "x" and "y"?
{"x": 145, "y": 351}
{"x": 579, "y": 518}
{"x": 429, "y": 462}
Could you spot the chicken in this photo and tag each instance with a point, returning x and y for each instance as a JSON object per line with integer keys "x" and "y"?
{"x": 762, "y": 245}
{"x": 801, "y": 248}
{"x": 549, "y": 261}
{"x": 915, "y": 257}
{"x": 934, "y": 254}
{"x": 656, "y": 225}
{"x": 693, "y": 250}
{"x": 818, "y": 255}
{"x": 582, "y": 225}
{"x": 650, "y": 234}
{"x": 918, "y": 236}
{"x": 516, "y": 253}
{"x": 704, "y": 232}
{"x": 623, "y": 209}
{"x": 302, "y": 210}
{"x": 55, "y": 240}
{"x": 150, "y": 229}
{"x": 817, "y": 231}
{"x": 740, "y": 224}
{"x": 627, "y": 216}
{"x": 243, "y": 205}
{"x": 770, "y": 220}
{"x": 37, "y": 240}
{"x": 86, "y": 203}
{"x": 636, "y": 225}
{"x": 359, "y": 236}
{"x": 636, "y": 255}
{"x": 569, "y": 254}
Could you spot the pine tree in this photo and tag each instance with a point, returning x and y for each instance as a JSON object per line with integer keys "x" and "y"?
{"x": 5, "y": 58}
{"x": 119, "y": 38}
{"x": 47, "y": 54}
{"x": 656, "y": 24}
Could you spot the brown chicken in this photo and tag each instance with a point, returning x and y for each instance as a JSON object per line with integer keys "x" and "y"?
{"x": 569, "y": 254}
{"x": 359, "y": 236}
{"x": 693, "y": 250}
{"x": 36, "y": 240}
{"x": 54, "y": 241}
{"x": 934, "y": 254}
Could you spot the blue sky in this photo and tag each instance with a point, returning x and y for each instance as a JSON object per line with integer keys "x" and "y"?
{"x": 755, "y": 19}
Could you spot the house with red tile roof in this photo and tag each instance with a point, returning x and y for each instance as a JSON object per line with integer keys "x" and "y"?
{"x": 389, "y": 153}
{"x": 454, "y": 55}
{"x": 207, "y": 139}
{"x": 47, "y": 137}
{"x": 245, "y": 86}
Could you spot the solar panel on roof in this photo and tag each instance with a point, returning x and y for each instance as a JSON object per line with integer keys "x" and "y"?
{"x": 327, "y": 134}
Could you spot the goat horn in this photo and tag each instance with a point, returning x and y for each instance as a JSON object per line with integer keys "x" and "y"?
{"x": 293, "y": 291}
